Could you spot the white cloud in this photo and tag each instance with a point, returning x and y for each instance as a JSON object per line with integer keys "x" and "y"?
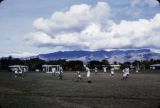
{"x": 155, "y": 50}
{"x": 77, "y": 17}
{"x": 151, "y": 3}
{"x": 89, "y": 28}
{"x": 21, "y": 54}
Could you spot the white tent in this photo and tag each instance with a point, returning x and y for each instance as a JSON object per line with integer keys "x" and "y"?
{"x": 116, "y": 67}
{"x": 51, "y": 68}
{"x": 155, "y": 66}
{"x": 19, "y": 67}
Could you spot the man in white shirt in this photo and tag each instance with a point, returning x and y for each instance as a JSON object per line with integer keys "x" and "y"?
{"x": 112, "y": 72}
{"x": 104, "y": 69}
{"x": 95, "y": 70}
{"x": 61, "y": 69}
{"x": 15, "y": 72}
{"x": 127, "y": 70}
{"x": 53, "y": 71}
{"x": 124, "y": 73}
{"x": 60, "y": 73}
{"x": 88, "y": 74}
{"x": 137, "y": 70}
{"x": 20, "y": 72}
{"x": 79, "y": 77}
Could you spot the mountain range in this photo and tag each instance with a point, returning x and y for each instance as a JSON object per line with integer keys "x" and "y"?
{"x": 111, "y": 56}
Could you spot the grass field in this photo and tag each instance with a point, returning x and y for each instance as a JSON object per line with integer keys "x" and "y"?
{"x": 41, "y": 90}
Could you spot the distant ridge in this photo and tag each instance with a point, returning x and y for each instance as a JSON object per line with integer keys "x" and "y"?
{"x": 111, "y": 56}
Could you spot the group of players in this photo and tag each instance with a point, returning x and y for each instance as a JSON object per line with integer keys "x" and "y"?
{"x": 125, "y": 72}
{"x": 59, "y": 73}
{"x": 18, "y": 73}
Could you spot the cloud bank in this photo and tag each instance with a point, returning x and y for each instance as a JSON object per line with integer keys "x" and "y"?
{"x": 151, "y": 3}
{"x": 21, "y": 54}
{"x": 86, "y": 27}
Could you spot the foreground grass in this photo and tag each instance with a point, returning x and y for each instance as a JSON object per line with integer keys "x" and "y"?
{"x": 41, "y": 90}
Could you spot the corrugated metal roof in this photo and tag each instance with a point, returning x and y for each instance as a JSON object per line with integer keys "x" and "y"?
{"x": 14, "y": 66}
{"x": 155, "y": 65}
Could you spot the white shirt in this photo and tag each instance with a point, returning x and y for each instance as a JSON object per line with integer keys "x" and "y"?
{"x": 53, "y": 70}
{"x": 112, "y": 71}
{"x": 127, "y": 70}
{"x": 88, "y": 72}
{"x": 15, "y": 71}
{"x": 79, "y": 75}
{"x": 136, "y": 71}
{"x": 124, "y": 73}
{"x": 20, "y": 71}
{"x": 95, "y": 69}
{"x": 104, "y": 69}
{"x": 61, "y": 69}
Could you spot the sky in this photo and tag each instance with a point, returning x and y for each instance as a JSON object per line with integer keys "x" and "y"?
{"x": 31, "y": 27}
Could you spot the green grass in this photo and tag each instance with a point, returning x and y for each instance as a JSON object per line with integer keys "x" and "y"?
{"x": 41, "y": 90}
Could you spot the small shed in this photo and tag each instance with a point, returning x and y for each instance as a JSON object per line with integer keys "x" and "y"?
{"x": 155, "y": 66}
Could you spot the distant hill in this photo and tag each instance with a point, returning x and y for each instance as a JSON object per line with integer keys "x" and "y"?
{"x": 111, "y": 56}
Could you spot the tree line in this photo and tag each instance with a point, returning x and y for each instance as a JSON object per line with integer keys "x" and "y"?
{"x": 36, "y": 63}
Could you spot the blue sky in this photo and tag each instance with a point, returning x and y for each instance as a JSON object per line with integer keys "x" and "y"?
{"x": 29, "y": 27}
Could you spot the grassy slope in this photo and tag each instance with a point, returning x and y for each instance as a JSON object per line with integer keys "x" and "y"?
{"x": 40, "y": 90}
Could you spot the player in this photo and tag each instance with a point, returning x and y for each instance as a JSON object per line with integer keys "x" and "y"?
{"x": 88, "y": 75}
{"x": 79, "y": 76}
{"x": 112, "y": 72}
{"x": 95, "y": 70}
{"x": 60, "y": 73}
{"x": 137, "y": 70}
{"x": 15, "y": 72}
{"x": 53, "y": 71}
{"x": 61, "y": 69}
{"x": 20, "y": 72}
{"x": 127, "y": 71}
{"x": 104, "y": 69}
{"x": 124, "y": 74}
